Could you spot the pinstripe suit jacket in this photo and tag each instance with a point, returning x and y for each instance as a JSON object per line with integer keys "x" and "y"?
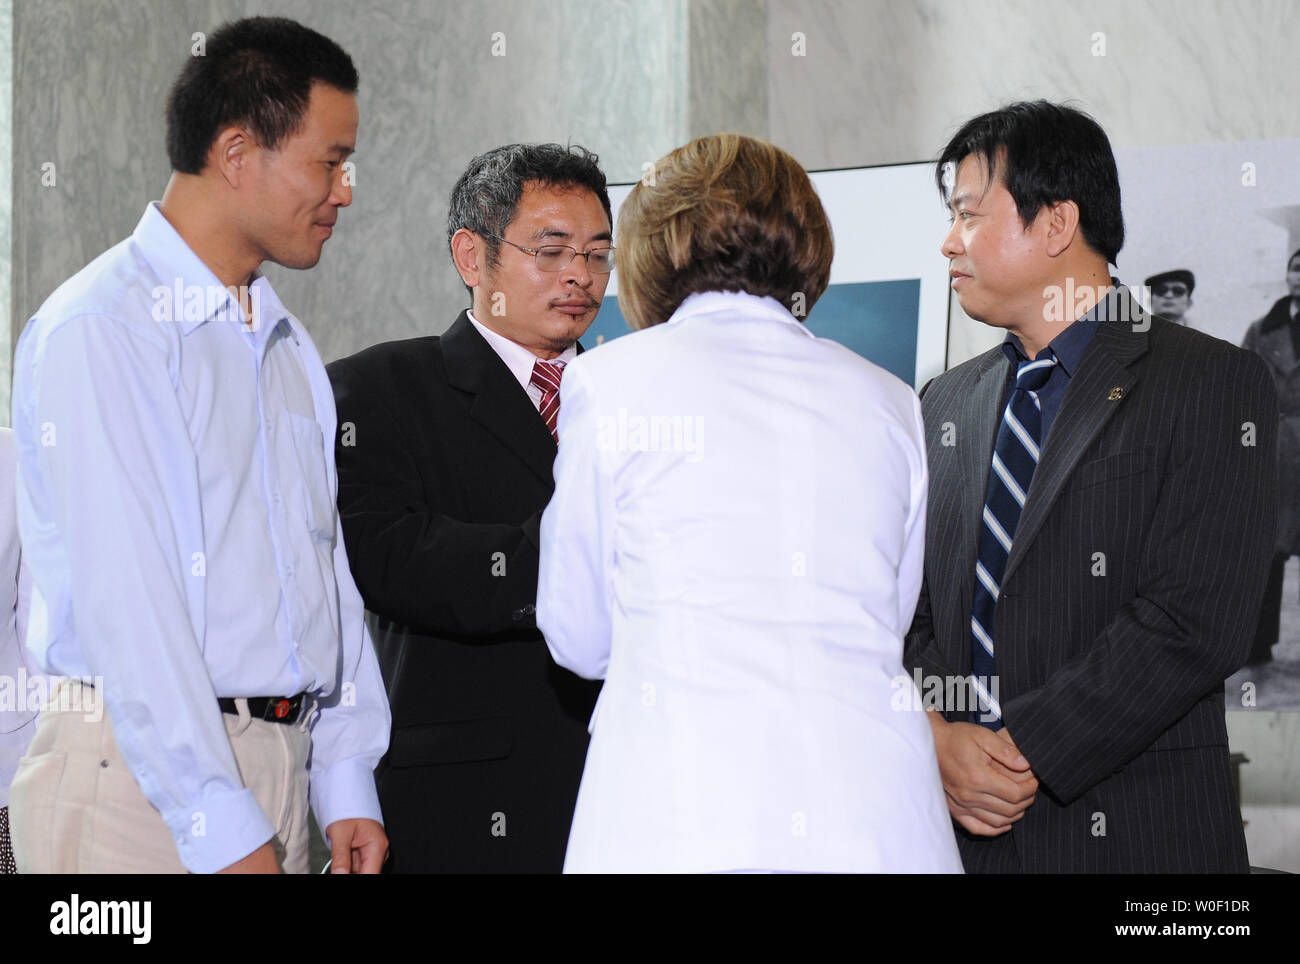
{"x": 1130, "y": 593}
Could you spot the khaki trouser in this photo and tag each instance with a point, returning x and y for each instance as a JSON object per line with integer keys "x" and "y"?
{"x": 75, "y": 808}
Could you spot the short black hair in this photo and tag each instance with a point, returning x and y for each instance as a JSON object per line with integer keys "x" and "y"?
{"x": 1294, "y": 254}
{"x": 487, "y": 194}
{"x": 256, "y": 72}
{"x": 1046, "y": 153}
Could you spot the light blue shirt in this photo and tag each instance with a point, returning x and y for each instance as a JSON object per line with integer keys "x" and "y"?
{"x": 176, "y": 501}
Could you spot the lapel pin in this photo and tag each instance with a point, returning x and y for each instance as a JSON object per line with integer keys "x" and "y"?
{"x": 1116, "y": 394}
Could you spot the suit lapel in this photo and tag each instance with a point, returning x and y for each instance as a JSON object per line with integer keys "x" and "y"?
{"x": 499, "y": 403}
{"x": 1103, "y": 382}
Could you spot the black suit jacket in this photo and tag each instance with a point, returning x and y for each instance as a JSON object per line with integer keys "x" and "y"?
{"x": 444, "y": 469}
{"x": 1130, "y": 593}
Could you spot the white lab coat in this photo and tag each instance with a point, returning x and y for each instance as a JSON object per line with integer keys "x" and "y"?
{"x": 735, "y": 545}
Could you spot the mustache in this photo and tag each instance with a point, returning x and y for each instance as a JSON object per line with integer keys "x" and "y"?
{"x": 591, "y": 302}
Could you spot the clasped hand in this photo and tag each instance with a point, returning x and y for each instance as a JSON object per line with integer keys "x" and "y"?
{"x": 986, "y": 779}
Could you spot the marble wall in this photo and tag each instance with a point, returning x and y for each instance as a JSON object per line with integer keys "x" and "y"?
{"x": 839, "y": 83}
{"x": 728, "y": 69}
{"x": 440, "y": 82}
{"x": 881, "y": 82}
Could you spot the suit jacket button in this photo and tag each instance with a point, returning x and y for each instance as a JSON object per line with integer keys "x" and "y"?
{"x": 525, "y": 611}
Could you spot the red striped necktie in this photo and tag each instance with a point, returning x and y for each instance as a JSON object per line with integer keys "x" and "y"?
{"x": 546, "y": 376}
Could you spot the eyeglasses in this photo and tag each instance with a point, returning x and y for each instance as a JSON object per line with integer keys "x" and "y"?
{"x": 1169, "y": 290}
{"x": 556, "y": 257}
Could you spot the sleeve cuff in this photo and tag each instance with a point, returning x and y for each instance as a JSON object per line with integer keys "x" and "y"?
{"x": 1063, "y": 776}
{"x": 345, "y": 791}
{"x": 226, "y": 826}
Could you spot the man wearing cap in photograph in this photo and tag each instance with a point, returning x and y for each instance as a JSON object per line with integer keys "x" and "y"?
{"x": 1171, "y": 293}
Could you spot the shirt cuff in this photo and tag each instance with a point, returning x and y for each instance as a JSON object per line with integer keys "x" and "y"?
{"x": 345, "y": 791}
{"x": 226, "y": 826}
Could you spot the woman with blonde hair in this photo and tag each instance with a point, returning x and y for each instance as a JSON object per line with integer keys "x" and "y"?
{"x": 735, "y": 546}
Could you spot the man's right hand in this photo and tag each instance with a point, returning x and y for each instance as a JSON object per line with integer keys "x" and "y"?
{"x": 260, "y": 861}
{"x": 987, "y": 781}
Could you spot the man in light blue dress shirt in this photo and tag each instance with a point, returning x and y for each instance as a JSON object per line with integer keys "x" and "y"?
{"x": 176, "y": 500}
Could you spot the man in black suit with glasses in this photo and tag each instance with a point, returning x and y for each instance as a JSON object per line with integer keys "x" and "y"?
{"x": 444, "y": 452}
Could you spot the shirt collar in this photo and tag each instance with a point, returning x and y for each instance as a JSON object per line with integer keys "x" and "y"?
{"x": 1072, "y": 342}
{"x": 187, "y": 281}
{"x": 732, "y": 302}
{"x": 518, "y": 359}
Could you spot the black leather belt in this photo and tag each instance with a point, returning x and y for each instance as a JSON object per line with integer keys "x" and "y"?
{"x": 274, "y": 709}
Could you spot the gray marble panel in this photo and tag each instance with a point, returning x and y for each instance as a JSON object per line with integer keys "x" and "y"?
{"x": 90, "y": 80}
{"x": 882, "y": 82}
{"x": 728, "y": 67}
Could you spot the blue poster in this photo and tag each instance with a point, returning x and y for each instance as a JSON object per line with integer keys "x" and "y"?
{"x": 877, "y": 319}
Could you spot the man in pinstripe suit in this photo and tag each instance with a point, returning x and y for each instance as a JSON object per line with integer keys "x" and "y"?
{"x": 1101, "y": 513}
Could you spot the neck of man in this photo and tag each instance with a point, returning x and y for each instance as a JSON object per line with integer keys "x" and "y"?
{"x": 1062, "y": 300}
{"x": 192, "y": 206}
{"x": 482, "y": 309}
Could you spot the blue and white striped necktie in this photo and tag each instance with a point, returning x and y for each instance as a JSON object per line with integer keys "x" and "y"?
{"x": 1015, "y": 456}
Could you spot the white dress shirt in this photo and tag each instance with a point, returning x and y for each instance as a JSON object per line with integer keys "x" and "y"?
{"x": 176, "y": 500}
{"x": 519, "y": 359}
{"x": 735, "y": 544}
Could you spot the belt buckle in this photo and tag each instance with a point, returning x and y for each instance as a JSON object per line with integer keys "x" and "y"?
{"x": 279, "y": 708}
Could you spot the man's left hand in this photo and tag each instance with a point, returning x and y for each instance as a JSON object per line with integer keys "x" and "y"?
{"x": 357, "y": 846}
{"x": 1006, "y": 735}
